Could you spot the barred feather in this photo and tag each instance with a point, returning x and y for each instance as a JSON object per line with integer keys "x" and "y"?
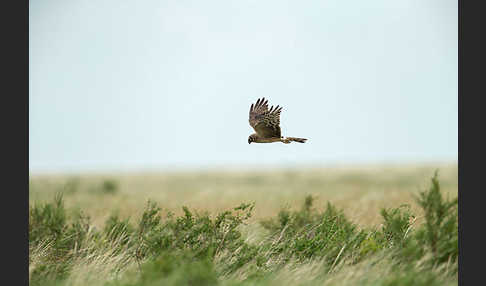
{"x": 265, "y": 122}
{"x": 296, "y": 139}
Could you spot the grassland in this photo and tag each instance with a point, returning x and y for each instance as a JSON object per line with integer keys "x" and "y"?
{"x": 104, "y": 232}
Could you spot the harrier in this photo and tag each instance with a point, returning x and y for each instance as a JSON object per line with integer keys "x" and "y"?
{"x": 267, "y": 124}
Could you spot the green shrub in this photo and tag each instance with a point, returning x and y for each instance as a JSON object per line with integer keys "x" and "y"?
{"x": 436, "y": 240}
{"x": 309, "y": 234}
{"x": 396, "y": 225}
{"x": 46, "y": 222}
{"x": 198, "y": 233}
{"x": 439, "y": 234}
{"x": 109, "y": 187}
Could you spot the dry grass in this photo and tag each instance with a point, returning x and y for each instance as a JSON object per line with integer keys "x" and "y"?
{"x": 360, "y": 191}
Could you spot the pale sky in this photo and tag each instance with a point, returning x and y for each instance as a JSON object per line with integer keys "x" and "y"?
{"x": 132, "y": 85}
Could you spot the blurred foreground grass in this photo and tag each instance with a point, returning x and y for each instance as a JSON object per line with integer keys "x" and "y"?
{"x": 360, "y": 191}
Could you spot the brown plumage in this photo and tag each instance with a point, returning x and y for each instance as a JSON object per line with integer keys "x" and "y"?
{"x": 266, "y": 123}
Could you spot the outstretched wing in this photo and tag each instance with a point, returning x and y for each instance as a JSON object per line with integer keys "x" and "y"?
{"x": 265, "y": 122}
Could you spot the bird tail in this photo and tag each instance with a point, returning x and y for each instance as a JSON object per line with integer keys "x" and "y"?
{"x": 296, "y": 139}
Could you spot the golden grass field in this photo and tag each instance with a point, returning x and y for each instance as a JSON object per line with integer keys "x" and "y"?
{"x": 361, "y": 191}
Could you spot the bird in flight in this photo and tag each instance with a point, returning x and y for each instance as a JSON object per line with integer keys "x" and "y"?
{"x": 267, "y": 124}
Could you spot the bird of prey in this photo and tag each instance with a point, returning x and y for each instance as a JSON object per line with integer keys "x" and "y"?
{"x": 267, "y": 124}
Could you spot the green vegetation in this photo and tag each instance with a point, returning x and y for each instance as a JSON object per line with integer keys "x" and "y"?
{"x": 310, "y": 245}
